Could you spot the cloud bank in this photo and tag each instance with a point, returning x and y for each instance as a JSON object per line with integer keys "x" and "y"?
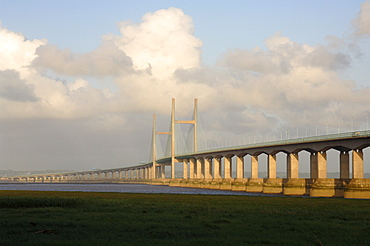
{"x": 283, "y": 84}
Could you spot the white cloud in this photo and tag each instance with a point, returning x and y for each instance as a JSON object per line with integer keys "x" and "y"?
{"x": 297, "y": 83}
{"x": 107, "y": 60}
{"x": 16, "y": 52}
{"x": 362, "y": 22}
{"x": 161, "y": 43}
{"x": 254, "y": 90}
{"x": 14, "y": 89}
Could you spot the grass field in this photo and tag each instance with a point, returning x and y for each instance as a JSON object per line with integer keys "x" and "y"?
{"x": 81, "y": 218}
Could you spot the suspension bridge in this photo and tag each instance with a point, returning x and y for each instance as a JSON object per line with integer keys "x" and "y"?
{"x": 213, "y": 167}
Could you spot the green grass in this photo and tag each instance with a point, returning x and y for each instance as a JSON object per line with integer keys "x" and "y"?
{"x": 79, "y": 218}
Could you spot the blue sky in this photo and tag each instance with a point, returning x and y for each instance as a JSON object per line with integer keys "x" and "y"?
{"x": 220, "y": 25}
{"x": 96, "y": 71}
{"x": 79, "y": 25}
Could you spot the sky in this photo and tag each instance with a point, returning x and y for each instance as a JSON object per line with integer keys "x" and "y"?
{"x": 80, "y": 80}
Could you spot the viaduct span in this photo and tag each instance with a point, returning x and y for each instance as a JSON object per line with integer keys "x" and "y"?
{"x": 213, "y": 168}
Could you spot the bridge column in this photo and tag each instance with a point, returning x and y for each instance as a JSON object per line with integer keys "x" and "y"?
{"x": 292, "y": 166}
{"x": 227, "y": 167}
{"x": 254, "y": 166}
{"x": 159, "y": 171}
{"x": 192, "y": 163}
{"x": 254, "y": 184}
{"x": 185, "y": 168}
{"x": 344, "y": 164}
{"x": 201, "y": 165}
{"x": 239, "y": 183}
{"x": 163, "y": 171}
{"x": 217, "y": 168}
{"x": 271, "y": 166}
{"x": 295, "y": 185}
{"x": 314, "y": 173}
{"x": 358, "y": 164}
{"x": 208, "y": 168}
{"x": 321, "y": 165}
{"x": 318, "y": 165}
{"x": 272, "y": 185}
{"x": 358, "y": 187}
{"x": 322, "y": 186}
{"x": 240, "y": 166}
{"x": 148, "y": 172}
{"x": 200, "y": 168}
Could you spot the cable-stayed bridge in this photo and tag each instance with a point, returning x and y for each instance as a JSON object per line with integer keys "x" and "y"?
{"x": 224, "y": 166}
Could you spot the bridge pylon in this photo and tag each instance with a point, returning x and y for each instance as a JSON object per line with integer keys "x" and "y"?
{"x": 172, "y": 133}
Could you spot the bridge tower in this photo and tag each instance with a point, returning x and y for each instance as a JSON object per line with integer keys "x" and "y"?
{"x": 172, "y": 133}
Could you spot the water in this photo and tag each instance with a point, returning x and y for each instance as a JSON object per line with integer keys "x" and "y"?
{"x": 122, "y": 188}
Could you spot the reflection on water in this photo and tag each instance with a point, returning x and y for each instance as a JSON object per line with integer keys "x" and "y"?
{"x": 122, "y": 188}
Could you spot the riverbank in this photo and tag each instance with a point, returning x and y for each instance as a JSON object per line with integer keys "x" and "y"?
{"x": 93, "y": 218}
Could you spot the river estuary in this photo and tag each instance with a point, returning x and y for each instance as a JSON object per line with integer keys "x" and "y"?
{"x": 122, "y": 188}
